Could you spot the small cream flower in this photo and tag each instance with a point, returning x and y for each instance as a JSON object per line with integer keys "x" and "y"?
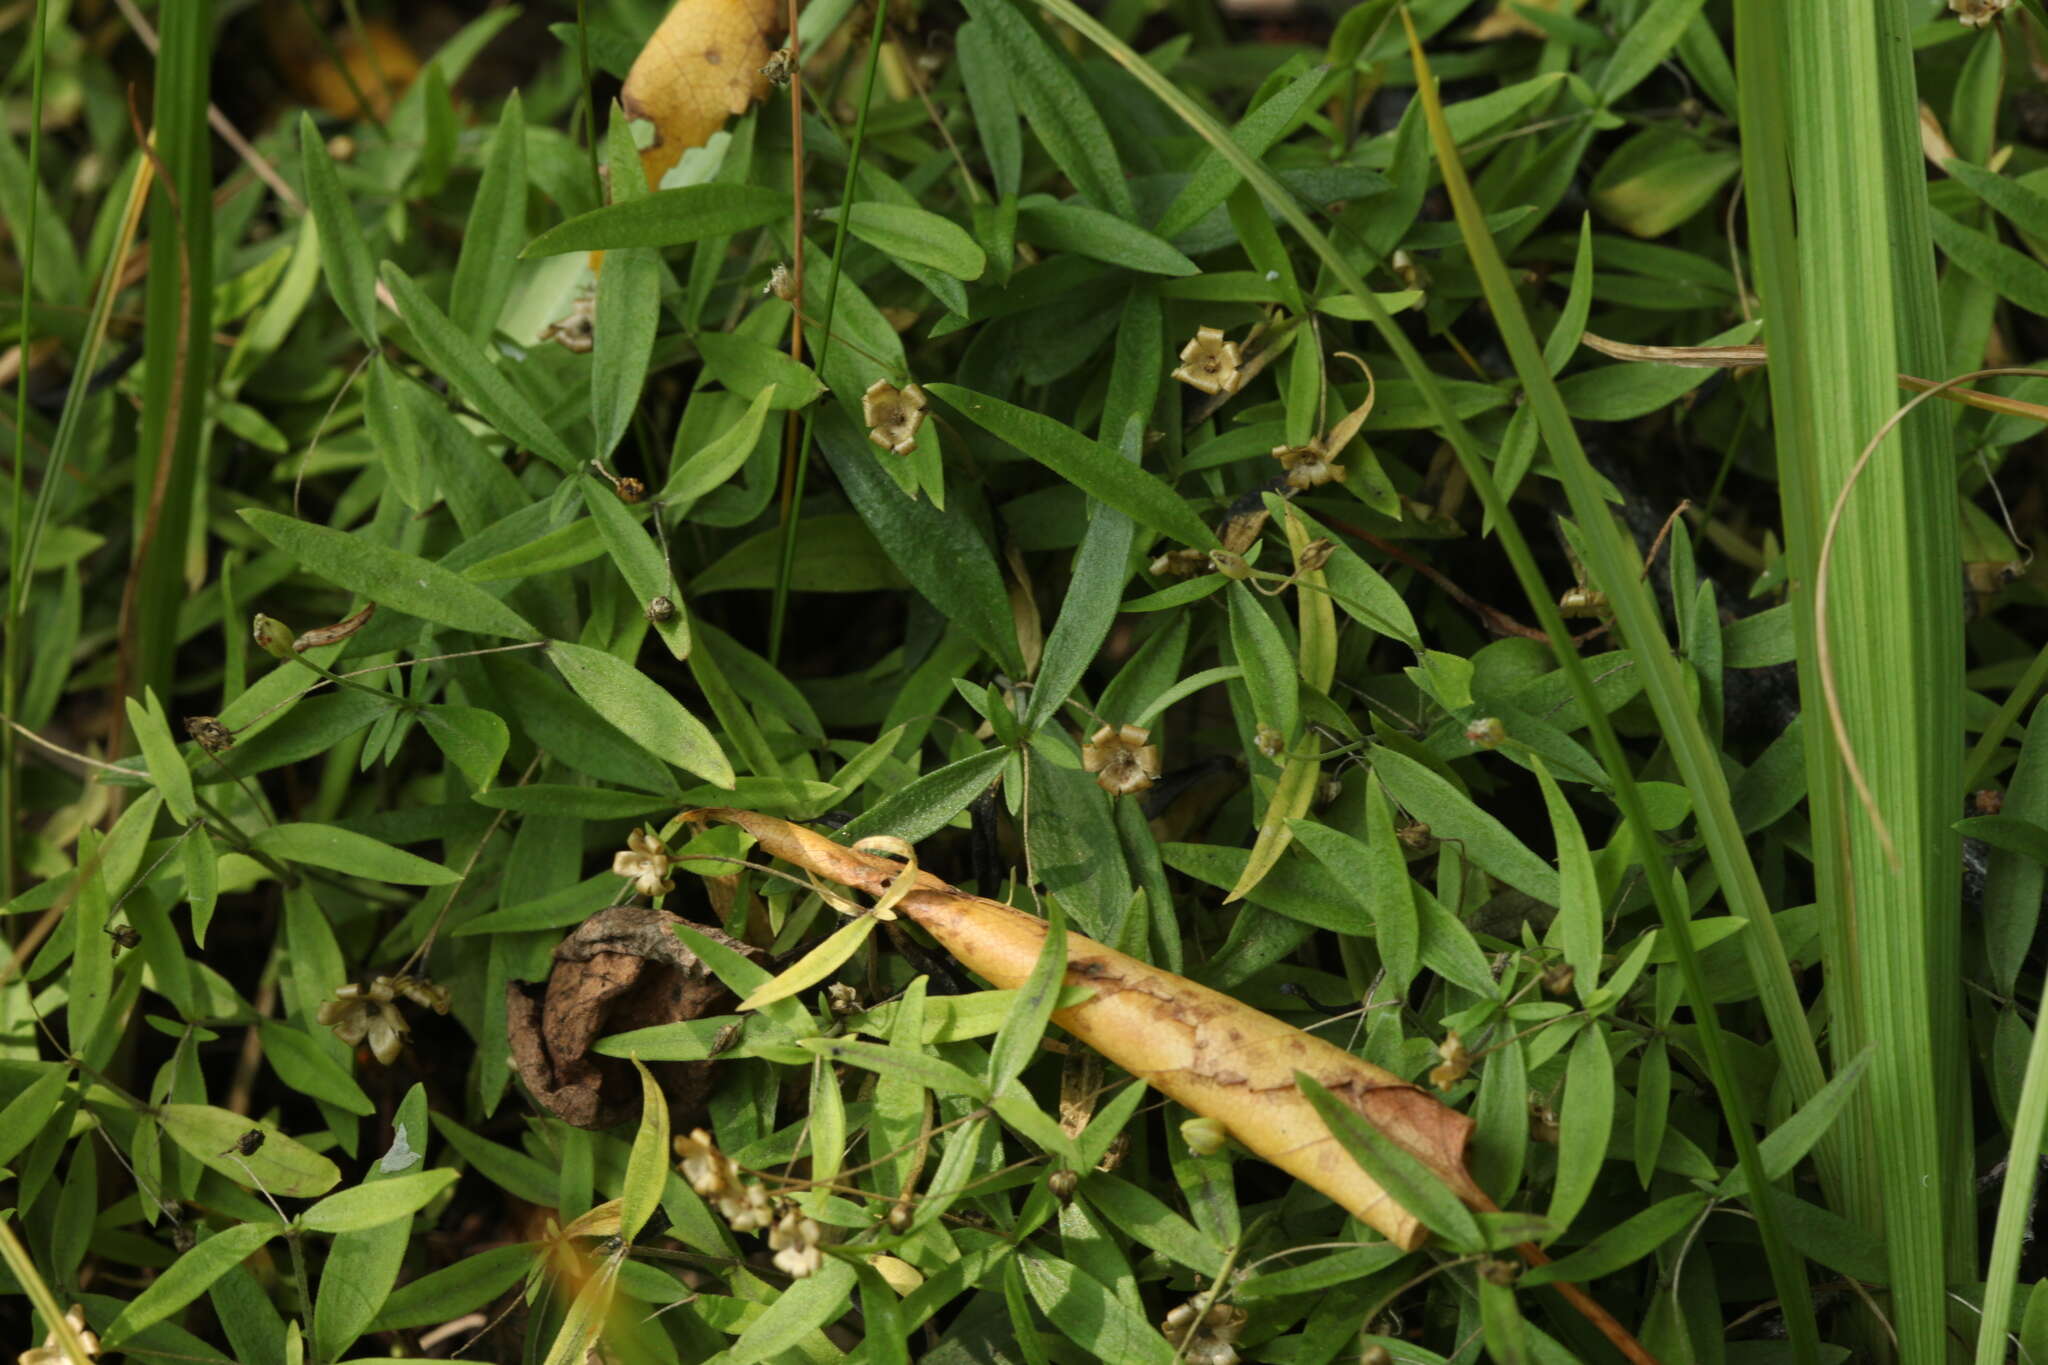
{"x": 1123, "y": 762}
{"x": 703, "y": 1165}
{"x": 1456, "y": 1062}
{"x": 1977, "y": 13}
{"x": 1210, "y": 1337}
{"x": 645, "y": 863}
{"x": 842, "y": 998}
{"x": 1309, "y": 466}
{"x": 367, "y": 1013}
{"x": 746, "y": 1207}
{"x": 893, "y": 415}
{"x": 52, "y": 1352}
{"x": 575, "y": 330}
{"x": 794, "y": 1239}
{"x": 420, "y": 991}
{"x": 1209, "y": 363}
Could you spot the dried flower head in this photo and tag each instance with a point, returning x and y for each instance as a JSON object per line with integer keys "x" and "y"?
{"x": 1204, "y": 1136}
{"x": 1416, "y": 837}
{"x": 1207, "y": 1337}
{"x": 1210, "y": 363}
{"x": 1269, "y": 741}
{"x": 575, "y": 330}
{"x": 630, "y": 490}
{"x": 209, "y": 734}
{"x": 660, "y": 609}
{"x": 781, "y": 283}
{"x": 901, "y": 1213}
{"x": 1230, "y": 564}
{"x": 842, "y": 999}
{"x": 644, "y": 862}
{"x": 1456, "y": 1062}
{"x": 1487, "y": 732}
{"x": 1500, "y": 1271}
{"x": 1309, "y": 466}
{"x": 747, "y": 1207}
{"x": 893, "y": 415}
{"x": 1988, "y": 801}
{"x": 778, "y": 69}
{"x": 52, "y": 1351}
{"x": 1123, "y": 760}
{"x": 1582, "y": 601}
{"x": 125, "y": 936}
{"x": 420, "y": 990}
{"x": 1558, "y": 978}
{"x": 1180, "y": 564}
{"x": 367, "y": 1013}
{"x": 1063, "y": 1183}
{"x": 1314, "y": 555}
{"x": 1542, "y": 1123}
{"x": 795, "y": 1241}
{"x": 1977, "y": 13}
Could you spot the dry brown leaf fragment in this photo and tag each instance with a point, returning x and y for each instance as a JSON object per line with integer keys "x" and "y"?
{"x": 700, "y": 68}
{"x": 1217, "y": 1056}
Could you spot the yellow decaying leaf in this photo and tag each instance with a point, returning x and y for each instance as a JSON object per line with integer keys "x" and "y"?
{"x": 701, "y": 67}
{"x": 1218, "y": 1056}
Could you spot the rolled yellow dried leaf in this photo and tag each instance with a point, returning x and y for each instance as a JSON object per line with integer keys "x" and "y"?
{"x": 1218, "y": 1056}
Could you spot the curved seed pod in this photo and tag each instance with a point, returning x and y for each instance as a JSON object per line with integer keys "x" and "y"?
{"x": 1218, "y": 1056}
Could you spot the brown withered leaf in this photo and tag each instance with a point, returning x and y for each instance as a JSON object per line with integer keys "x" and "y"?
{"x": 623, "y": 968}
{"x": 701, "y": 67}
{"x": 1218, "y": 1056}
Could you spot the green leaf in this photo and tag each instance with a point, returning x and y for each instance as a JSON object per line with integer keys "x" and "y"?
{"x": 1794, "y": 1138}
{"x": 918, "y": 235}
{"x": 1100, "y": 472}
{"x": 287, "y": 1168}
{"x": 1622, "y": 1245}
{"x": 647, "y": 1165}
{"x": 1017, "y": 1042}
{"x": 1091, "y": 1316}
{"x": 361, "y": 1267}
{"x": 496, "y": 227}
{"x": 167, "y": 770}
{"x": 643, "y": 710}
{"x": 344, "y": 850}
{"x": 301, "y": 1064}
{"x": 1414, "y": 1186}
{"x": 390, "y": 578}
{"x": 388, "y": 415}
{"x": 666, "y": 218}
{"x": 795, "y": 1314}
{"x": 449, "y": 352}
{"x": 629, "y": 301}
{"x": 1644, "y": 44}
{"x": 2014, "y": 834}
{"x": 836, "y": 553}
{"x": 2013, "y": 275}
{"x": 1375, "y": 883}
{"x": 1268, "y": 664}
{"x": 640, "y": 563}
{"x": 1141, "y": 1216}
{"x": 1255, "y": 134}
{"x": 900, "y": 1064}
{"x": 1099, "y": 236}
{"x": 344, "y": 255}
{"x": 1450, "y": 814}
{"x": 202, "y": 880}
{"x": 471, "y": 738}
{"x": 815, "y": 966}
{"x": 1056, "y": 105}
{"x": 921, "y": 808}
{"x": 1586, "y": 1119}
{"x": 1579, "y": 923}
{"x": 751, "y": 367}
{"x": 189, "y": 1277}
{"x": 375, "y": 1204}
{"x": 460, "y": 1288}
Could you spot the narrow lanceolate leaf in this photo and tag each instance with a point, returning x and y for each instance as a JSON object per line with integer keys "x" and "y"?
{"x": 375, "y": 1204}
{"x": 918, "y": 235}
{"x": 666, "y": 218}
{"x": 1056, "y": 105}
{"x": 1586, "y": 1119}
{"x": 1017, "y": 1041}
{"x": 1084, "y": 463}
{"x": 814, "y": 967}
{"x": 647, "y": 1165}
{"x": 643, "y": 710}
{"x": 1213, "y": 1054}
{"x": 1269, "y": 669}
{"x": 344, "y": 256}
{"x": 450, "y": 352}
{"x": 391, "y": 578}
{"x": 629, "y": 301}
{"x": 188, "y": 1277}
{"x": 1795, "y": 1137}
{"x": 496, "y": 228}
{"x": 640, "y": 562}
{"x": 1290, "y": 801}
{"x": 344, "y": 850}
{"x": 166, "y": 765}
{"x": 285, "y": 1167}
{"x": 1578, "y": 910}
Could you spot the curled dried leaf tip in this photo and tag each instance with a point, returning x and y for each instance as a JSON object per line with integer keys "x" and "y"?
{"x": 1123, "y": 759}
{"x": 645, "y": 863}
{"x": 1210, "y": 362}
{"x": 893, "y": 415}
{"x": 1180, "y": 564}
{"x": 52, "y": 1351}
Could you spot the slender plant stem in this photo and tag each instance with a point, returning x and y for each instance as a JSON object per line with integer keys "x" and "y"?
{"x": 779, "y": 612}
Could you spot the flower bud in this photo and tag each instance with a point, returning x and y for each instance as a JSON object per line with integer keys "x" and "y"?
{"x": 1063, "y": 1183}
{"x": 1204, "y": 1136}
{"x": 273, "y": 637}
